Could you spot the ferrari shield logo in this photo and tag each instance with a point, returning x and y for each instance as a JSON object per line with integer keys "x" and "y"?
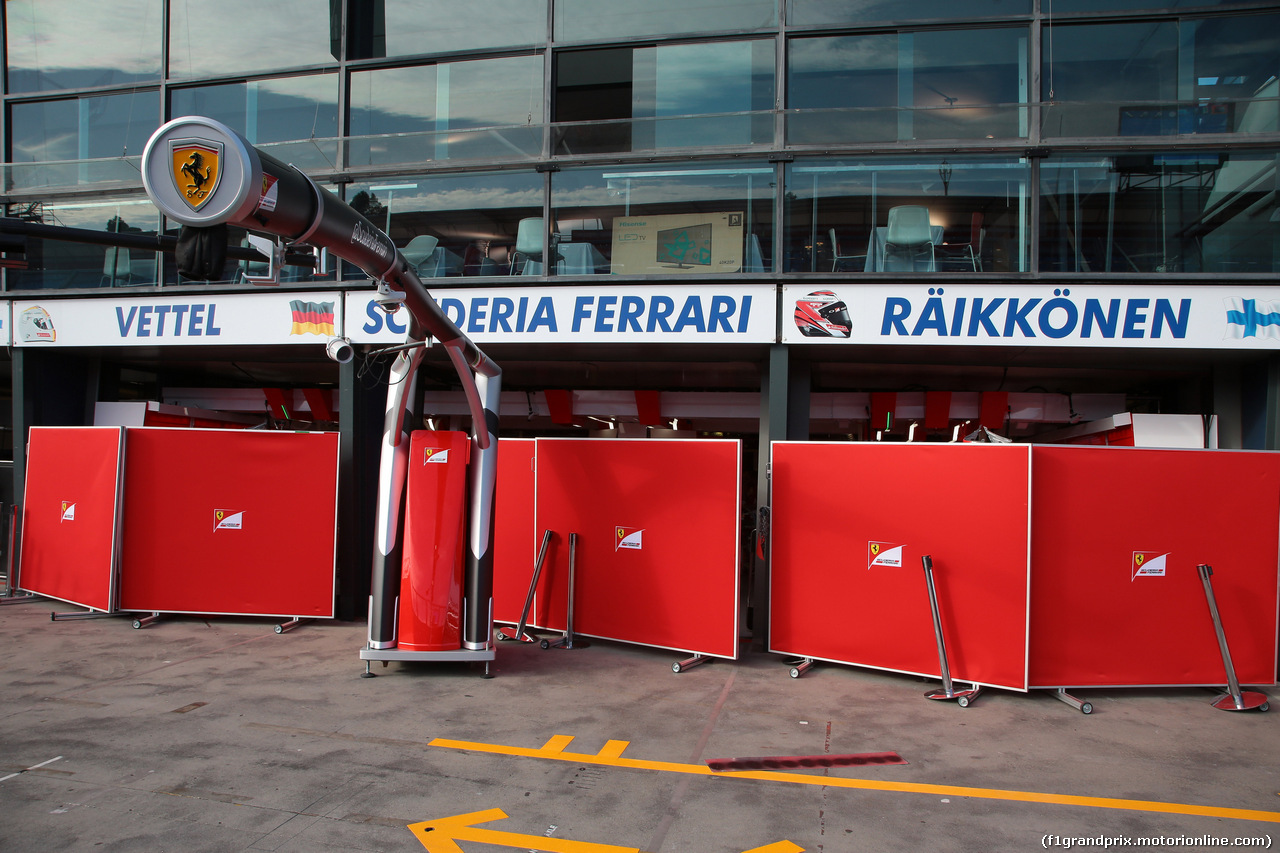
{"x": 197, "y": 168}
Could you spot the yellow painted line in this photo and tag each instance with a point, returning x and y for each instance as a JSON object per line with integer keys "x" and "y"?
{"x": 557, "y": 743}
{"x": 611, "y": 756}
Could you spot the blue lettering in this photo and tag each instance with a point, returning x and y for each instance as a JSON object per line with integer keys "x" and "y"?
{"x": 544, "y": 314}
{"x": 394, "y": 325}
{"x": 691, "y": 315}
{"x": 604, "y": 311}
{"x": 1134, "y": 316}
{"x": 1046, "y": 319}
{"x": 629, "y": 314}
{"x": 721, "y": 310}
{"x": 1106, "y": 322}
{"x": 179, "y": 311}
{"x": 746, "y": 313}
{"x": 479, "y": 309}
{"x": 520, "y": 318}
{"x": 1177, "y": 325}
{"x": 125, "y": 325}
{"x": 1018, "y": 316}
{"x": 933, "y": 318}
{"x": 197, "y": 318}
{"x": 209, "y": 328}
{"x": 659, "y": 310}
{"x": 581, "y": 311}
{"x": 957, "y": 319}
{"x": 896, "y": 309}
{"x": 144, "y": 322}
{"x": 375, "y": 318}
{"x": 982, "y": 316}
{"x": 454, "y": 310}
{"x": 503, "y": 308}
{"x": 162, "y": 311}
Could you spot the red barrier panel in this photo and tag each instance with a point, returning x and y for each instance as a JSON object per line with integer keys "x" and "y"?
{"x": 514, "y": 537}
{"x": 850, "y": 524}
{"x": 1116, "y": 599}
{"x": 657, "y": 523}
{"x": 70, "y": 515}
{"x": 430, "y": 612}
{"x": 232, "y": 522}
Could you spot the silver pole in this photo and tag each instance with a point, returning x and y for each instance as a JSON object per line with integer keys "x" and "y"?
{"x": 1235, "y": 700}
{"x": 927, "y": 560}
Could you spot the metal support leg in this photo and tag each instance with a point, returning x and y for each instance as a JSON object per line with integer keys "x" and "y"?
{"x": 1079, "y": 704}
{"x": 689, "y": 663}
{"x": 519, "y": 633}
{"x": 17, "y": 598}
{"x": 1235, "y": 700}
{"x": 800, "y": 667}
{"x": 81, "y": 614}
{"x": 290, "y": 625}
{"x": 567, "y": 642}
{"x": 962, "y": 697}
{"x": 144, "y": 621}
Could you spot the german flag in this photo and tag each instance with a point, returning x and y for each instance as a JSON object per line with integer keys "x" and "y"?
{"x": 312, "y": 318}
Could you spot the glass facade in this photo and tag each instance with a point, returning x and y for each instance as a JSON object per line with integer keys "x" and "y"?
{"x": 591, "y": 138}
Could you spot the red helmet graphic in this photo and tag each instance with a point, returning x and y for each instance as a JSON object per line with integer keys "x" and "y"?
{"x": 822, "y": 315}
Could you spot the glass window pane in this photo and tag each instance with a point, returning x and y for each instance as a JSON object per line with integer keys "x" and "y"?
{"x": 414, "y": 27}
{"x": 583, "y": 20}
{"x": 249, "y": 36}
{"x": 1108, "y": 79}
{"x": 928, "y": 85}
{"x": 1064, "y": 6}
{"x": 47, "y": 48}
{"x": 1160, "y": 213}
{"x": 481, "y": 109}
{"x": 272, "y": 112}
{"x": 715, "y": 218}
{"x": 62, "y": 264}
{"x": 1237, "y": 66}
{"x": 107, "y": 127}
{"x": 848, "y": 12}
{"x": 625, "y": 99}
{"x": 839, "y": 214}
{"x": 453, "y": 225}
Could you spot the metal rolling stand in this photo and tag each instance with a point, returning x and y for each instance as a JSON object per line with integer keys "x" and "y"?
{"x": 800, "y": 667}
{"x": 689, "y": 663}
{"x": 11, "y": 595}
{"x": 962, "y": 697}
{"x": 567, "y": 641}
{"x": 1234, "y": 700}
{"x": 1080, "y": 705}
{"x": 290, "y": 624}
{"x": 519, "y": 632}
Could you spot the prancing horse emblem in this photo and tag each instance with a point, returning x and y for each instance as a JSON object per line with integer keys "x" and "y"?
{"x": 197, "y": 168}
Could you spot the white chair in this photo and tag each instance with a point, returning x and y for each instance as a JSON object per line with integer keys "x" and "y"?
{"x": 420, "y": 250}
{"x": 529, "y": 244}
{"x": 837, "y": 256}
{"x": 908, "y": 239}
{"x": 115, "y": 267}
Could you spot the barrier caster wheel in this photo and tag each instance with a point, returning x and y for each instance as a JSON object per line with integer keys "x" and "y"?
{"x": 546, "y": 644}
{"x": 1086, "y": 708}
{"x": 963, "y": 701}
{"x": 137, "y": 623}
{"x": 675, "y": 667}
{"x": 1265, "y": 706}
{"x": 795, "y": 672}
{"x": 279, "y": 629}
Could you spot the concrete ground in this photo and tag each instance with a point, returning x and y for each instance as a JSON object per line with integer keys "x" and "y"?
{"x": 219, "y": 734}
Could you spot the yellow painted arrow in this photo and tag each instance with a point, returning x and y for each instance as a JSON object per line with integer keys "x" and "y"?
{"x": 442, "y": 836}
